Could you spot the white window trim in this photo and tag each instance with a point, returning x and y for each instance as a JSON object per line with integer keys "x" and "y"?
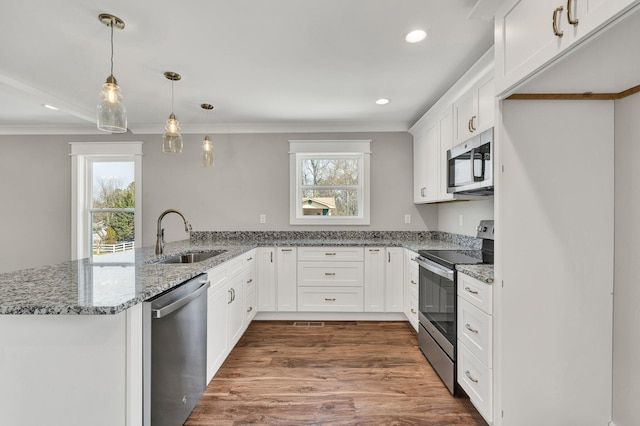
{"x": 82, "y": 154}
{"x": 298, "y": 148}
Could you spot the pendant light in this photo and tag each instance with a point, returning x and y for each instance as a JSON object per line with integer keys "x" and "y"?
{"x": 208, "y": 157}
{"x": 172, "y": 140}
{"x": 111, "y": 114}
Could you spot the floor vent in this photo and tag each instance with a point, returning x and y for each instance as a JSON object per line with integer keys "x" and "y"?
{"x": 308, "y": 324}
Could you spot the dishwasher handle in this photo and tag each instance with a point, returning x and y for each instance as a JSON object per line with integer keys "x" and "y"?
{"x": 166, "y": 310}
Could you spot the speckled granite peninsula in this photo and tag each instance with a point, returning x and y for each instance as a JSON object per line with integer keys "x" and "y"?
{"x": 80, "y": 287}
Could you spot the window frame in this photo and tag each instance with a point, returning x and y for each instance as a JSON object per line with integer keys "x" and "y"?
{"x": 300, "y": 150}
{"x": 83, "y": 155}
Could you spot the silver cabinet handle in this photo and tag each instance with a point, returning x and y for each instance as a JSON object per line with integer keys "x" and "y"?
{"x": 413, "y": 311}
{"x": 330, "y": 254}
{"x": 249, "y": 259}
{"x": 572, "y": 21}
{"x": 374, "y": 250}
{"x": 468, "y": 289}
{"x": 556, "y": 12}
{"x": 330, "y": 273}
{"x": 250, "y": 281}
{"x": 286, "y": 249}
{"x": 250, "y": 309}
{"x": 230, "y": 297}
{"x": 388, "y": 257}
{"x": 233, "y": 294}
{"x": 166, "y": 310}
{"x": 470, "y": 377}
{"x": 330, "y": 300}
{"x": 271, "y": 257}
{"x": 422, "y": 191}
{"x": 413, "y": 282}
{"x": 468, "y": 327}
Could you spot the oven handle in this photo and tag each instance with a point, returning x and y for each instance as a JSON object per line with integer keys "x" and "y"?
{"x": 435, "y": 268}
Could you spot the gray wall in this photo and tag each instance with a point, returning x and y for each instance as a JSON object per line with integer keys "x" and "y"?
{"x": 251, "y": 177}
{"x": 472, "y": 213}
{"x": 626, "y": 315}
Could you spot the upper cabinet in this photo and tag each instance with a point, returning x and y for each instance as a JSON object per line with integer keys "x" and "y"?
{"x": 475, "y": 110}
{"x": 532, "y": 33}
{"x": 467, "y": 109}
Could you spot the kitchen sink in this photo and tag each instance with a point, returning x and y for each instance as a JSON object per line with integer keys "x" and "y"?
{"x": 191, "y": 257}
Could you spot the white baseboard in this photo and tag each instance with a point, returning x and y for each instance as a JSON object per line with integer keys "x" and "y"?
{"x": 330, "y": 316}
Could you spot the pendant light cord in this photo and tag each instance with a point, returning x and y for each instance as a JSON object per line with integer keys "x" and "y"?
{"x": 111, "y": 26}
{"x": 171, "y": 96}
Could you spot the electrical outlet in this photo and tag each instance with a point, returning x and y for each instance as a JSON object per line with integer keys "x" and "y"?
{"x": 263, "y": 218}
{"x": 460, "y": 220}
{"x": 407, "y": 218}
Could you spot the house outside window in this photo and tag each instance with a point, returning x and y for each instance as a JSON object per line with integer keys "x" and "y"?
{"x": 329, "y": 182}
{"x": 106, "y": 201}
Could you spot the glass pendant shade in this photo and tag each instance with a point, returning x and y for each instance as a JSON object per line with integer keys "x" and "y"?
{"x": 111, "y": 114}
{"x": 172, "y": 140}
{"x": 208, "y": 158}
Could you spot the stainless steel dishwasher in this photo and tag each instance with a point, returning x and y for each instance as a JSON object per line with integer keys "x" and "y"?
{"x": 174, "y": 352}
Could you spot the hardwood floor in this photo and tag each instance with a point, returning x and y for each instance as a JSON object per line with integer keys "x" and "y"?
{"x": 343, "y": 373}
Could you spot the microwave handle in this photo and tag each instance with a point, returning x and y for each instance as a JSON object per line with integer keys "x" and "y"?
{"x": 477, "y": 178}
{"x": 472, "y": 157}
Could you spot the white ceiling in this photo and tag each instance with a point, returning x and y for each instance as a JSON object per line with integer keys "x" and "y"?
{"x": 266, "y": 65}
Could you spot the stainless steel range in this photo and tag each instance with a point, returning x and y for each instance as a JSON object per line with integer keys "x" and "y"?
{"x": 438, "y": 301}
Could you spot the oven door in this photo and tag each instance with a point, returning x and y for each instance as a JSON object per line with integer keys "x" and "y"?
{"x": 437, "y": 304}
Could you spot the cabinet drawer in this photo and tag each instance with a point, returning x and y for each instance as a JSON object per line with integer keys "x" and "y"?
{"x": 411, "y": 311}
{"x": 412, "y": 280}
{"x": 249, "y": 258}
{"x": 217, "y": 276}
{"x": 250, "y": 280}
{"x": 250, "y": 306}
{"x": 475, "y": 331}
{"x": 343, "y": 274}
{"x": 235, "y": 265}
{"x": 476, "y": 380}
{"x": 331, "y": 253}
{"x": 476, "y": 292}
{"x": 330, "y": 299}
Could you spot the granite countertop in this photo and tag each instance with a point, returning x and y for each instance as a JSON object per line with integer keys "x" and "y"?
{"x": 85, "y": 288}
{"x": 483, "y": 273}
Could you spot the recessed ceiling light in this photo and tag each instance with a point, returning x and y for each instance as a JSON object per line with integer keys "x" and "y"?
{"x": 50, "y": 107}
{"x": 416, "y": 36}
{"x": 383, "y": 101}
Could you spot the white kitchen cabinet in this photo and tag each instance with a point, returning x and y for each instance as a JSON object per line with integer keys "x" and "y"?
{"x": 411, "y": 288}
{"x": 425, "y": 165}
{"x": 355, "y": 254}
{"x": 374, "y": 279}
{"x": 394, "y": 280}
{"x": 266, "y": 276}
{"x": 474, "y": 111}
{"x": 475, "y": 343}
{"x": 525, "y": 38}
{"x": 217, "y": 327}
{"x": 286, "y": 279}
{"x": 235, "y": 309}
{"x": 330, "y": 299}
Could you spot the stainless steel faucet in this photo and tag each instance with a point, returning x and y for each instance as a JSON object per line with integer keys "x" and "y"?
{"x": 160, "y": 233}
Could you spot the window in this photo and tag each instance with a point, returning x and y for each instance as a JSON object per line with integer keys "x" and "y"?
{"x": 329, "y": 182}
{"x": 106, "y": 205}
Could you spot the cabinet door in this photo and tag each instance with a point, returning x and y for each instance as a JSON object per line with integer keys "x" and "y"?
{"x": 433, "y": 171}
{"x": 217, "y": 331}
{"x": 374, "y": 279}
{"x": 466, "y": 113}
{"x": 394, "y": 282}
{"x": 525, "y": 39}
{"x": 592, "y": 14}
{"x": 235, "y": 309}
{"x": 486, "y": 105}
{"x": 286, "y": 283}
{"x": 266, "y": 275}
{"x": 419, "y": 169}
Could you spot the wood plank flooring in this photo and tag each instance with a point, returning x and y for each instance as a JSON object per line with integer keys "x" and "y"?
{"x": 344, "y": 373}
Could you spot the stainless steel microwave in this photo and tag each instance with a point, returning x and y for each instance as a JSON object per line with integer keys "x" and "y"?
{"x": 470, "y": 166}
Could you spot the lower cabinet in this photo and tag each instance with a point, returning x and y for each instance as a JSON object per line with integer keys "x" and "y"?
{"x": 475, "y": 343}
{"x": 232, "y": 304}
{"x": 411, "y": 276}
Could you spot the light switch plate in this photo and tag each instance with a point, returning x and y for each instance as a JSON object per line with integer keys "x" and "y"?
{"x": 263, "y": 218}
{"x": 407, "y": 218}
